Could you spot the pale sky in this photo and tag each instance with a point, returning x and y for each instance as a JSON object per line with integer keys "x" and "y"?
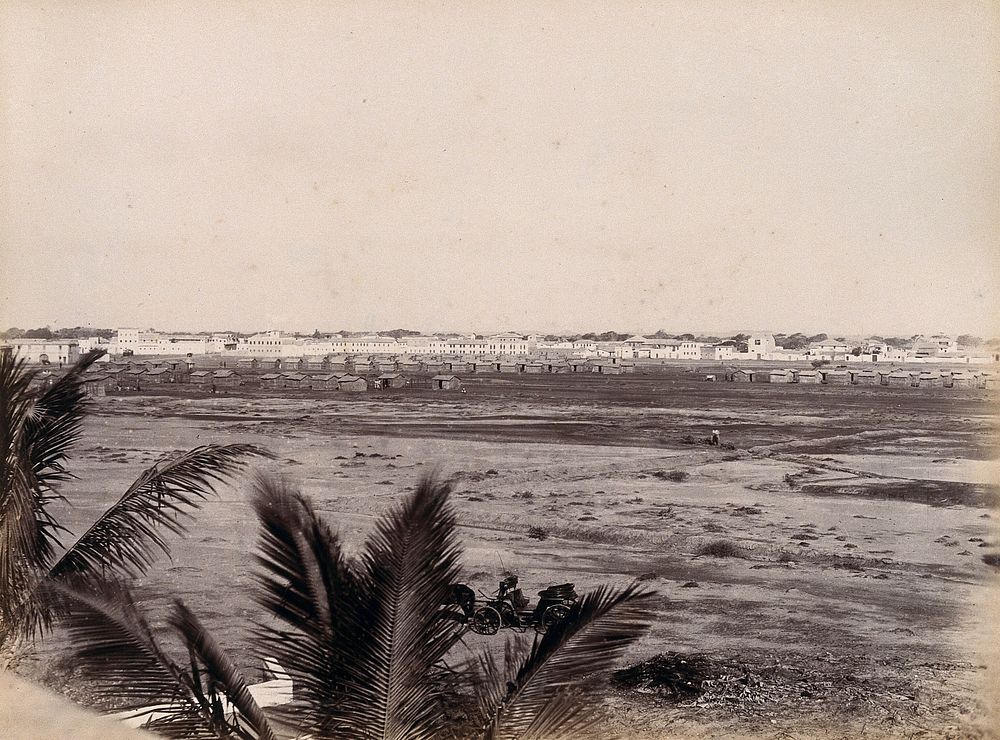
{"x": 549, "y": 166}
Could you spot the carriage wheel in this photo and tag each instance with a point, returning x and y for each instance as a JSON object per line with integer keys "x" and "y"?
{"x": 485, "y": 621}
{"x": 508, "y": 617}
{"x": 553, "y": 615}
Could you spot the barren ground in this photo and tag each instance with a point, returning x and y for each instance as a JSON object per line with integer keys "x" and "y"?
{"x": 855, "y": 604}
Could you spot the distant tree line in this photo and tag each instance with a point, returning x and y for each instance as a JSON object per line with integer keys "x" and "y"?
{"x": 76, "y": 332}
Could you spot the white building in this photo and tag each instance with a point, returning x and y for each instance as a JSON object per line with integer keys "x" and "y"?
{"x": 90, "y": 343}
{"x": 719, "y": 352}
{"x": 935, "y": 346}
{"x": 222, "y": 342}
{"x": 47, "y": 351}
{"x": 510, "y": 343}
{"x": 689, "y": 350}
{"x": 269, "y": 344}
{"x": 634, "y": 348}
{"x": 759, "y": 346}
{"x": 874, "y": 347}
{"x": 140, "y": 342}
{"x": 833, "y": 351}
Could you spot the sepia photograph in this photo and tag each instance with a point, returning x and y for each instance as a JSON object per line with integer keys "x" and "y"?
{"x": 505, "y": 370}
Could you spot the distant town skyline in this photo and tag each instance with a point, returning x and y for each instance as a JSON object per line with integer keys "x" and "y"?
{"x": 722, "y": 335}
{"x": 819, "y": 167}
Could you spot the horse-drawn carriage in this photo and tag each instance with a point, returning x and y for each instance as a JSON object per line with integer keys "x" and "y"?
{"x": 509, "y": 608}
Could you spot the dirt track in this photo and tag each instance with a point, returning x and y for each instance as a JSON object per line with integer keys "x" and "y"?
{"x": 856, "y": 601}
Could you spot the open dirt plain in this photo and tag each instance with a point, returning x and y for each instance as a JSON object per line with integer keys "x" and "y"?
{"x": 850, "y": 599}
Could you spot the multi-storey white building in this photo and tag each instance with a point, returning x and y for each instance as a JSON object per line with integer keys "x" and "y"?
{"x": 689, "y": 350}
{"x": 510, "y": 343}
{"x": 760, "y": 346}
{"x": 261, "y": 343}
{"x": 140, "y": 342}
{"x": 222, "y": 342}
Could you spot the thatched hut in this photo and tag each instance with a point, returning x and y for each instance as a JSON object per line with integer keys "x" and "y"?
{"x": 324, "y": 382}
{"x": 864, "y": 377}
{"x": 271, "y": 380}
{"x": 964, "y": 379}
{"x": 201, "y": 377}
{"x": 781, "y": 376}
{"x": 339, "y": 364}
{"x": 434, "y": 366}
{"x": 446, "y": 383}
{"x": 352, "y": 384}
{"x": 835, "y": 376}
{"x": 459, "y": 365}
{"x": 391, "y": 380}
{"x": 97, "y": 385}
{"x": 318, "y": 364}
{"x": 294, "y": 380}
{"x": 159, "y": 375}
{"x": 898, "y": 378}
{"x": 929, "y": 380}
{"x": 226, "y": 379}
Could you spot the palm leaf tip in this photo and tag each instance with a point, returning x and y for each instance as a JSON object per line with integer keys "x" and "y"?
{"x": 221, "y": 676}
{"x": 313, "y": 591}
{"x": 545, "y": 698}
{"x": 114, "y": 647}
{"x": 127, "y": 536}
{"x": 406, "y": 569}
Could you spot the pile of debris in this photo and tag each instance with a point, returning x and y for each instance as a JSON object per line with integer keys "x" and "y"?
{"x": 773, "y": 684}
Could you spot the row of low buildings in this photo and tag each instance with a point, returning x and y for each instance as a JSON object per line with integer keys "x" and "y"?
{"x": 376, "y": 364}
{"x": 137, "y": 377}
{"x": 866, "y": 376}
{"x": 416, "y": 364}
{"x": 276, "y": 345}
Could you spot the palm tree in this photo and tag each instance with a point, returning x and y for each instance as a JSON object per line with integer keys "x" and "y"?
{"x": 38, "y": 429}
{"x": 363, "y": 638}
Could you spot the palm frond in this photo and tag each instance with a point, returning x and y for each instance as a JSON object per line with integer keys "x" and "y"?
{"x": 313, "y": 592}
{"x": 54, "y": 427}
{"x": 126, "y": 537}
{"x": 115, "y": 648}
{"x": 22, "y": 550}
{"x": 494, "y": 681}
{"x": 223, "y": 682}
{"x": 363, "y": 644}
{"x": 37, "y": 430}
{"x": 542, "y": 701}
{"x": 410, "y": 561}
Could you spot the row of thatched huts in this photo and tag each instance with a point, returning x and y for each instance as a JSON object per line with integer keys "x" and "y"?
{"x": 849, "y": 376}
{"x": 436, "y": 365}
{"x": 136, "y": 378}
